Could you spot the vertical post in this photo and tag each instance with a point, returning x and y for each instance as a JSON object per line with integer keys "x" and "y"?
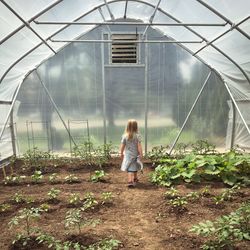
{"x": 104, "y": 94}
{"x": 70, "y": 144}
{"x": 28, "y": 134}
{"x": 146, "y": 99}
{"x": 237, "y": 108}
{"x": 189, "y": 113}
{"x": 13, "y": 137}
{"x": 233, "y": 126}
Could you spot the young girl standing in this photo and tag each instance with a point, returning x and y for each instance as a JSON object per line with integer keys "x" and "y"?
{"x": 131, "y": 145}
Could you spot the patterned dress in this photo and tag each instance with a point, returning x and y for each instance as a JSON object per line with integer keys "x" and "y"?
{"x": 130, "y": 162}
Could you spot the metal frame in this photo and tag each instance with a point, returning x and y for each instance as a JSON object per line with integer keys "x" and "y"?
{"x": 151, "y": 18}
{"x": 233, "y": 126}
{"x": 110, "y": 13}
{"x": 30, "y": 20}
{"x": 146, "y": 100}
{"x": 128, "y": 23}
{"x": 104, "y": 95}
{"x": 189, "y": 113}
{"x": 28, "y": 26}
{"x": 125, "y": 10}
{"x": 121, "y": 41}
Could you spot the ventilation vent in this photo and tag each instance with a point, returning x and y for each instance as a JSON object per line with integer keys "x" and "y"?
{"x": 124, "y": 49}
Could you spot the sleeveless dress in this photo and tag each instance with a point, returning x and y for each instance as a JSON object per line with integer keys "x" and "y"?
{"x": 131, "y": 162}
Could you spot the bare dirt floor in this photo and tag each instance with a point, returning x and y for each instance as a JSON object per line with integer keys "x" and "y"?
{"x": 140, "y": 217}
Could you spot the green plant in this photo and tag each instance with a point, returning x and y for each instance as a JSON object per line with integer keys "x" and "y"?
{"x": 226, "y": 230}
{"x": 53, "y": 178}
{"x": 193, "y": 196}
{"x": 202, "y": 147}
{"x": 181, "y": 148}
{"x": 105, "y": 244}
{"x": 26, "y": 215}
{"x": 37, "y": 159}
{"x": 75, "y": 199}
{"x": 179, "y": 202}
{"x": 37, "y": 176}
{"x": 158, "y": 152}
{"x": 107, "y": 197}
{"x": 98, "y": 176}
{"x": 18, "y": 198}
{"x": 45, "y": 207}
{"x": 4, "y": 207}
{"x": 13, "y": 179}
{"x": 89, "y": 201}
{"x": 53, "y": 193}
{"x": 74, "y": 219}
{"x": 172, "y": 193}
{"x": 71, "y": 179}
{"x": 205, "y": 191}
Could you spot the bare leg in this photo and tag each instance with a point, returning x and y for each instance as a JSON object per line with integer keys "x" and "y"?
{"x": 135, "y": 177}
{"x": 130, "y": 177}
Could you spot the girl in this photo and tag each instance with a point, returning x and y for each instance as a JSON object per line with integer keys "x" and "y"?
{"x": 131, "y": 144}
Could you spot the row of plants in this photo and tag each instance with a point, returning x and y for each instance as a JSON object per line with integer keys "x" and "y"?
{"x": 37, "y": 177}
{"x": 39, "y": 160}
{"x": 74, "y": 199}
{"x": 230, "y": 168}
{"x": 75, "y": 219}
{"x": 178, "y": 201}
{"x": 226, "y": 231}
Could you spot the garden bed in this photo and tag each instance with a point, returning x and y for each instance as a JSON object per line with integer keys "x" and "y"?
{"x": 139, "y": 218}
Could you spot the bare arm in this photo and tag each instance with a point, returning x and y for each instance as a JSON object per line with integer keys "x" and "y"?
{"x": 122, "y": 147}
{"x": 140, "y": 150}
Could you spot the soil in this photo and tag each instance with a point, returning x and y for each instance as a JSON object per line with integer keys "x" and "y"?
{"x": 139, "y": 217}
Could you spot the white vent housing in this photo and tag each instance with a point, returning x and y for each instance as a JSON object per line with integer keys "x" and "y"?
{"x": 124, "y": 48}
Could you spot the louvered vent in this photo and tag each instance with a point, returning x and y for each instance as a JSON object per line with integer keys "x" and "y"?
{"x": 124, "y": 50}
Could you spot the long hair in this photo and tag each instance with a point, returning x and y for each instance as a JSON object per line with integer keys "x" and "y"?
{"x": 131, "y": 129}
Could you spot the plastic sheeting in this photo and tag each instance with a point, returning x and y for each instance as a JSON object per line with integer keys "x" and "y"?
{"x": 21, "y": 50}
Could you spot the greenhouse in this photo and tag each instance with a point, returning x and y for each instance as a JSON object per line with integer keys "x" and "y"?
{"x": 73, "y": 73}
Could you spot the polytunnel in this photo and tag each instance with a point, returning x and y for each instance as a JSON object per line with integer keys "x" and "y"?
{"x": 72, "y": 70}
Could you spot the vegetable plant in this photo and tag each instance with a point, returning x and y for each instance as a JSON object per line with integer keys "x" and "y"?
{"x": 71, "y": 179}
{"x": 53, "y": 178}
{"x": 107, "y": 197}
{"x": 53, "y": 193}
{"x": 179, "y": 202}
{"x": 26, "y": 215}
{"x": 37, "y": 176}
{"x": 89, "y": 201}
{"x": 227, "y": 230}
{"x": 18, "y": 198}
{"x": 98, "y": 176}
{"x": 4, "y": 207}
{"x": 74, "y": 219}
{"x": 172, "y": 193}
{"x": 75, "y": 199}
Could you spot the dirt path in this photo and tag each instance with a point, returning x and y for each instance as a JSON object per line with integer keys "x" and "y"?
{"x": 135, "y": 216}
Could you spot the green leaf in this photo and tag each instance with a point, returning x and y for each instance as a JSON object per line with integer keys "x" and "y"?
{"x": 228, "y": 178}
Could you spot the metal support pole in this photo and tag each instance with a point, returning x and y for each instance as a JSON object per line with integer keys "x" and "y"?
{"x": 146, "y": 99}
{"x": 151, "y": 19}
{"x": 125, "y": 11}
{"x": 123, "y": 41}
{"x": 104, "y": 95}
{"x": 110, "y": 13}
{"x": 55, "y": 107}
{"x": 28, "y": 26}
{"x": 128, "y": 23}
{"x": 100, "y": 11}
{"x": 189, "y": 113}
{"x": 11, "y": 107}
{"x": 233, "y": 126}
{"x": 13, "y": 138}
{"x": 237, "y": 108}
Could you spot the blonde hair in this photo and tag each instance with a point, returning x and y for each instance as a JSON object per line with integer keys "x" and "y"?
{"x": 131, "y": 129}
